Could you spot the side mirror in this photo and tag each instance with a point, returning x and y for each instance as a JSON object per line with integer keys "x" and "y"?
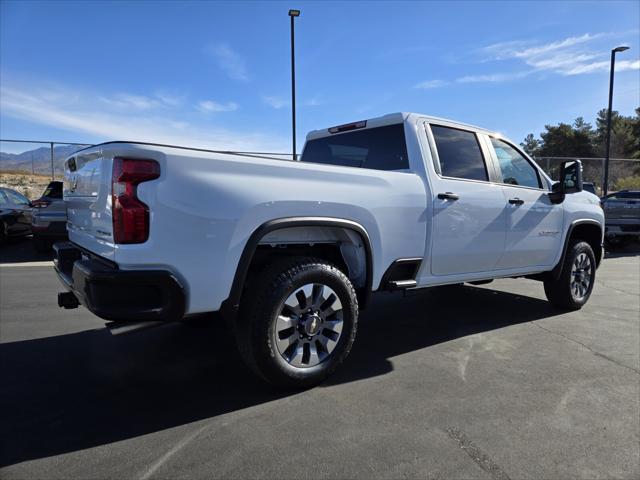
{"x": 570, "y": 181}
{"x": 571, "y": 176}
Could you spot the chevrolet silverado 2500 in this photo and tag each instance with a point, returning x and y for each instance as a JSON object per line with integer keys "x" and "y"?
{"x": 290, "y": 251}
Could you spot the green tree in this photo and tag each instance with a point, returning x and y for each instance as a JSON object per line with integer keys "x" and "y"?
{"x": 624, "y": 135}
{"x": 531, "y": 145}
{"x": 564, "y": 140}
{"x": 633, "y": 147}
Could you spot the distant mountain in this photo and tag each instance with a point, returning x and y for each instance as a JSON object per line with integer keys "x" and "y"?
{"x": 40, "y": 157}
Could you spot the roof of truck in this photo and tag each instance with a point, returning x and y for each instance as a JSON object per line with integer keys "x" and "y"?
{"x": 399, "y": 117}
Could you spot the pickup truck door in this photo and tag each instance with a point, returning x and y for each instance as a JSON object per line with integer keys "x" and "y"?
{"x": 468, "y": 229}
{"x": 534, "y": 224}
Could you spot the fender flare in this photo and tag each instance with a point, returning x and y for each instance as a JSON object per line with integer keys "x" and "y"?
{"x": 557, "y": 270}
{"x": 230, "y": 306}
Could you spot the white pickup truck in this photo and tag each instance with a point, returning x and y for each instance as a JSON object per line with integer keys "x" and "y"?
{"x": 290, "y": 251}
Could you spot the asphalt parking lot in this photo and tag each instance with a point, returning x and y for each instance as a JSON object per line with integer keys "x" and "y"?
{"x": 486, "y": 382}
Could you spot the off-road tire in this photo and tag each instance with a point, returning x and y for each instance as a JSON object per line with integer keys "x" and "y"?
{"x": 558, "y": 291}
{"x": 261, "y": 304}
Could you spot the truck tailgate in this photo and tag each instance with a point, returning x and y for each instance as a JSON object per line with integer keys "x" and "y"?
{"x": 87, "y": 194}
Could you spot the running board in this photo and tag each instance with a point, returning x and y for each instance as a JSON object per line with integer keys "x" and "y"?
{"x": 119, "y": 328}
{"x": 401, "y": 284}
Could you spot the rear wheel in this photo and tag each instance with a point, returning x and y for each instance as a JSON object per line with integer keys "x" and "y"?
{"x": 575, "y": 284}
{"x": 298, "y": 322}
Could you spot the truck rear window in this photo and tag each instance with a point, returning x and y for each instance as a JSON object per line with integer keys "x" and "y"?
{"x": 380, "y": 148}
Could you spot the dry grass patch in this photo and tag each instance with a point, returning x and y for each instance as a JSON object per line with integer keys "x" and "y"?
{"x": 30, "y": 185}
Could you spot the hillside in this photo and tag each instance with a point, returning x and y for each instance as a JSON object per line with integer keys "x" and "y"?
{"x": 39, "y": 158}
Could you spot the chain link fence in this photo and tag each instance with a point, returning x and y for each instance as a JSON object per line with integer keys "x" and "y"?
{"x": 28, "y": 166}
{"x": 620, "y": 170}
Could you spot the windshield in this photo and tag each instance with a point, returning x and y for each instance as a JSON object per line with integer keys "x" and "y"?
{"x": 380, "y": 148}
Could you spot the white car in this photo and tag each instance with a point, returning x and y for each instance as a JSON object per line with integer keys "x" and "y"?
{"x": 290, "y": 251}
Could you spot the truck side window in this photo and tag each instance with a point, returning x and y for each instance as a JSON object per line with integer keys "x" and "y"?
{"x": 515, "y": 169}
{"x": 459, "y": 153}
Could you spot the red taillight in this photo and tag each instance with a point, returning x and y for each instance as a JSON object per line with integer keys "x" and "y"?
{"x": 40, "y": 203}
{"x": 130, "y": 215}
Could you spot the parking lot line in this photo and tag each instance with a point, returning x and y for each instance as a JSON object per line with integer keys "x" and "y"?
{"x": 48, "y": 263}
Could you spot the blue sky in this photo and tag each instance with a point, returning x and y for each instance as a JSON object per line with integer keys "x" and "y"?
{"x": 217, "y": 74}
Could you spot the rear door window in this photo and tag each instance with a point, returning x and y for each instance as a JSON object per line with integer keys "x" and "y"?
{"x": 459, "y": 153}
{"x": 380, "y": 148}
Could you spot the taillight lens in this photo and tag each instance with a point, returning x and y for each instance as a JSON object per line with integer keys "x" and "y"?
{"x": 130, "y": 215}
{"x": 40, "y": 203}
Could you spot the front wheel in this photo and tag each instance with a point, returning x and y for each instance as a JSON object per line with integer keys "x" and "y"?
{"x": 298, "y": 322}
{"x": 575, "y": 284}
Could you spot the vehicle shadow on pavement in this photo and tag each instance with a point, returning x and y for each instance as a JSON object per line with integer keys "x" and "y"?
{"x": 21, "y": 250}
{"x": 630, "y": 250}
{"x": 71, "y": 392}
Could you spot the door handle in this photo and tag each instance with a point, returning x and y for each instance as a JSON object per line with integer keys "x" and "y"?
{"x": 516, "y": 201}
{"x": 448, "y": 196}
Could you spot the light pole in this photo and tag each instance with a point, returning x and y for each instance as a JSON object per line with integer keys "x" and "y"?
{"x": 293, "y": 14}
{"x": 605, "y": 183}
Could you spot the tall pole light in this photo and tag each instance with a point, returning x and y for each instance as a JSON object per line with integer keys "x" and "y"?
{"x": 605, "y": 183}
{"x": 293, "y": 14}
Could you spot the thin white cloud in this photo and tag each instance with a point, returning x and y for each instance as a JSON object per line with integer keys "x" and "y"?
{"x": 75, "y": 111}
{"x": 209, "y": 106}
{"x": 169, "y": 98}
{"x": 517, "y": 48}
{"x": 128, "y": 101}
{"x": 275, "y": 101}
{"x": 229, "y": 61}
{"x": 570, "y": 56}
{"x": 565, "y": 57}
{"x": 621, "y": 66}
{"x": 278, "y": 102}
{"x": 429, "y": 84}
{"x": 492, "y": 78}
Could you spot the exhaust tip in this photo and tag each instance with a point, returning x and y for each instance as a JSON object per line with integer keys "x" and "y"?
{"x": 67, "y": 300}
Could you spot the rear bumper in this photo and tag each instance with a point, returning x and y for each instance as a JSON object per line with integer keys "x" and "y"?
{"x": 118, "y": 295}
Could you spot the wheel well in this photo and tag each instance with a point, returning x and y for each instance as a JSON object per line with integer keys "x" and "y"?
{"x": 342, "y": 243}
{"x": 341, "y": 247}
{"x": 590, "y": 233}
